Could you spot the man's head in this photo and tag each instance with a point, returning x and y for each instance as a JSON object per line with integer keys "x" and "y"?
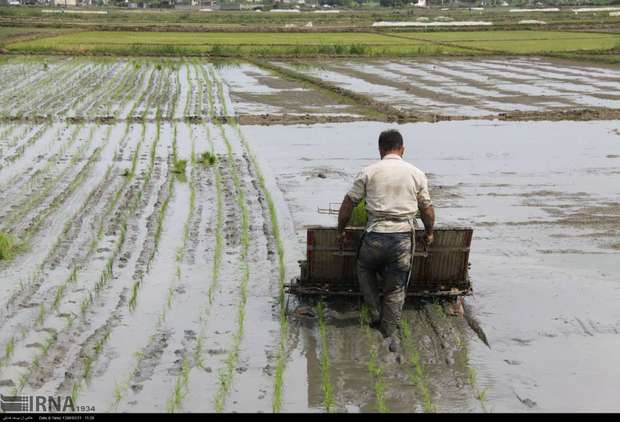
{"x": 391, "y": 142}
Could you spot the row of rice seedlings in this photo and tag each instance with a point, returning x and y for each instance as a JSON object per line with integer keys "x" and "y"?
{"x": 14, "y": 246}
{"x": 19, "y": 211}
{"x": 136, "y": 90}
{"x": 107, "y": 272}
{"x": 275, "y": 228}
{"x": 210, "y": 95}
{"x": 159, "y": 221}
{"x": 24, "y": 77}
{"x": 415, "y": 369}
{"x": 190, "y": 91}
{"x": 69, "y": 190}
{"x": 9, "y": 138}
{"x": 73, "y": 274}
{"x": 125, "y": 91}
{"x": 479, "y": 394}
{"x": 28, "y": 96}
{"x": 9, "y": 348}
{"x": 177, "y": 91}
{"x": 50, "y": 182}
{"x": 18, "y": 77}
{"x": 21, "y": 149}
{"x": 283, "y": 331}
{"x": 226, "y": 373}
{"x": 180, "y": 387}
{"x": 62, "y": 91}
{"x": 37, "y": 272}
{"x": 326, "y": 385}
{"x": 183, "y": 380}
{"x": 81, "y": 91}
{"x": 121, "y": 75}
{"x": 374, "y": 366}
{"x": 199, "y": 105}
{"x": 145, "y": 93}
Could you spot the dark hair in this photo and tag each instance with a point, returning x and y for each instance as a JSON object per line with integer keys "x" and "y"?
{"x": 390, "y": 140}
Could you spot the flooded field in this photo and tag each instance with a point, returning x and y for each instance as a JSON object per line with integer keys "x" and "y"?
{"x": 158, "y": 228}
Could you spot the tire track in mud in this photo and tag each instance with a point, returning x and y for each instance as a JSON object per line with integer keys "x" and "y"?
{"x": 435, "y": 347}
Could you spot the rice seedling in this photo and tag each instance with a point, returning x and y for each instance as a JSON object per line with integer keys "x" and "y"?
{"x": 40, "y": 316}
{"x": 207, "y": 159}
{"x": 179, "y": 167}
{"x": 8, "y": 349}
{"x": 281, "y": 361}
{"x": 480, "y": 395}
{"x": 226, "y": 373}
{"x": 326, "y": 386}
{"x": 373, "y": 365}
{"x": 180, "y": 387}
{"x": 415, "y": 370}
{"x": 9, "y": 246}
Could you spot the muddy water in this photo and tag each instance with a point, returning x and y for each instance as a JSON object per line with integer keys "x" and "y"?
{"x": 473, "y": 88}
{"x": 546, "y": 213}
{"x": 540, "y": 196}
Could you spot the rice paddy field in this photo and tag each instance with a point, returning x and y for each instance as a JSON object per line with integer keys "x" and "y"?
{"x": 239, "y": 44}
{"x": 154, "y": 208}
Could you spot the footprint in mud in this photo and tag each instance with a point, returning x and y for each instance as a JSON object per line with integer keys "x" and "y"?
{"x": 527, "y": 402}
{"x": 521, "y": 342}
{"x": 32, "y": 345}
{"x": 512, "y": 362}
{"x": 7, "y": 383}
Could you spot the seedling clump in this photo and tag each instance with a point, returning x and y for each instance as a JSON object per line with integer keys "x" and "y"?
{"x": 9, "y": 246}
{"x": 207, "y": 159}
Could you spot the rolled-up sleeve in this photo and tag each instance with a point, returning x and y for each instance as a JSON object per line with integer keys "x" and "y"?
{"x": 423, "y": 195}
{"x": 358, "y": 190}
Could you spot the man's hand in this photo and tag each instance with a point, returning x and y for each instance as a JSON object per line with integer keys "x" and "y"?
{"x": 428, "y": 218}
{"x": 344, "y": 214}
{"x": 341, "y": 238}
{"x": 428, "y": 238}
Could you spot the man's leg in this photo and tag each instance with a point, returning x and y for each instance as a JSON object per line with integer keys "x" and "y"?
{"x": 395, "y": 283}
{"x": 367, "y": 276}
{"x": 368, "y": 285}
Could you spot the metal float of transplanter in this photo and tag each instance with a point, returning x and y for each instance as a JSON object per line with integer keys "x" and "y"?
{"x": 440, "y": 271}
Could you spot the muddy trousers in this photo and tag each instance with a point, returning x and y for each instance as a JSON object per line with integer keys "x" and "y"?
{"x": 387, "y": 255}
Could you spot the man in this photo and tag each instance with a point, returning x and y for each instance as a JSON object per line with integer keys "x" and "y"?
{"x": 394, "y": 191}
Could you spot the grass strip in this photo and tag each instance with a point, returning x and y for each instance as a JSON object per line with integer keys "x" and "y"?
{"x": 373, "y": 365}
{"x": 326, "y": 386}
{"x": 415, "y": 370}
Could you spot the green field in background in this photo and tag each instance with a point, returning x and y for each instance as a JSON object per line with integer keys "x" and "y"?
{"x": 522, "y": 42}
{"x": 326, "y": 43}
